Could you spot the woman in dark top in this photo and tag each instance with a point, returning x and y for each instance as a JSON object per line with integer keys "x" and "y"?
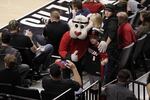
{"x": 10, "y": 74}
{"x": 145, "y": 25}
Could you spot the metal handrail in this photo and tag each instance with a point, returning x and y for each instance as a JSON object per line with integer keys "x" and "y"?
{"x": 62, "y": 94}
{"x": 87, "y": 93}
{"x": 140, "y": 86}
{"x": 131, "y": 86}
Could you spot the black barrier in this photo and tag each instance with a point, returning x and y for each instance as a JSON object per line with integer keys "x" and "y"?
{"x": 138, "y": 87}
{"x": 64, "y": 95}
{"x": 87, "y": 94}
{"x": 90, "y": 93}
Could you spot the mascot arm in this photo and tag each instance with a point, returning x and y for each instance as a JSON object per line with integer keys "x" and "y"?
{"x": 64, "y": 45}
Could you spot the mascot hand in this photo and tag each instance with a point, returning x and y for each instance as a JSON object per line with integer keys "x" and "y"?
{"x": 102, "y": 46}
{"x": 74, "y": 56}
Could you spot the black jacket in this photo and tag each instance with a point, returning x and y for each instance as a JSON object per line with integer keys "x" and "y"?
{"x": 110, "y": 30}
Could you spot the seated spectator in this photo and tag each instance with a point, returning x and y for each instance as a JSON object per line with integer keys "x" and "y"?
{"x": 10, "y": 74}
{"x": 25, "y": 38}
{"x": 119, "y": 90}
{"x": 35, "y": 54}
{"x": 5, "y": 49}
{"x": 145, "y": 25}
{"x": 18, "y": 40}
{"x": 55, "y": 82}
{"x": 77, "y": 8}
{"x": 126, "y": 35}
{"x": 94, "y": 6}
{"x": 54, "y": 30}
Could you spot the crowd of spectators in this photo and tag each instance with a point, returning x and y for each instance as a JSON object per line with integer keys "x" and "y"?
{"x": 23, "y": 54}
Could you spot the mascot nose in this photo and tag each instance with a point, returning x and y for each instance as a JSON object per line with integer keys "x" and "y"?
{"x": 77, "y": 33}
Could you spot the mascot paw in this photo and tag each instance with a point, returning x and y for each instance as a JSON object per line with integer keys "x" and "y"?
{"x": 102, "y": 47}
{"x": 74, "y": 56}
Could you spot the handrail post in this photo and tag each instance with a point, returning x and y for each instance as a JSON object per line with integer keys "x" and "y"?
{"x": 100, "y": 85}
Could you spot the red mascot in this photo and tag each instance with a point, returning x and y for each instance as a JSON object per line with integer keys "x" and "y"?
{"x": 74, "y": 43}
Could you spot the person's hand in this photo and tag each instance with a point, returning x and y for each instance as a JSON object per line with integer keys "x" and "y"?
{"x": 70, "y": 65}
{"x": 34, "y": 49}
{"x": 29, "y": 33}
{"x": 104, "y": 62}
{"x": 102, "y": 47}
{"x": 74, "y": 56}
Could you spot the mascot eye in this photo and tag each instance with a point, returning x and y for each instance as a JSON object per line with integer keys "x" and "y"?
{"x": 82, "y": 26}
{"x": 76, "y": 25}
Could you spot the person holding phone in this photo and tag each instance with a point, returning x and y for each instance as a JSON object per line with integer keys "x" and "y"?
{"x": 55, "y": 82}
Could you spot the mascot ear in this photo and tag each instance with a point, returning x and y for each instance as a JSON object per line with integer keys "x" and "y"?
{"x": 70, "y": 23}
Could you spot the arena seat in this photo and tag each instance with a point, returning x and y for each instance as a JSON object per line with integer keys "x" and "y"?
{"x": 26, "y": 92}
{"x": 6, "y": 88}
{"x": 19, "y": 91}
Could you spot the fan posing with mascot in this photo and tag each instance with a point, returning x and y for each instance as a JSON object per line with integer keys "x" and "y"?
{"x": 74, "y": 43}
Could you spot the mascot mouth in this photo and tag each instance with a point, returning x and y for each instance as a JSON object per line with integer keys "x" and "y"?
{"x": 77, "y": 33}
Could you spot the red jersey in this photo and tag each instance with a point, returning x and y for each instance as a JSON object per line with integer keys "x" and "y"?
{"x": 126, "y": 35}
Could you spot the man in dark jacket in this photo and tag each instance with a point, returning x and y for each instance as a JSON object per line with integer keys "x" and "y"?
{"x": 119, "y": 91}
{"x": 55, "y": 82}
{"x": 110, "y": 34}
{"x": 5, "y": 49}
{"x": 54, "y": 30}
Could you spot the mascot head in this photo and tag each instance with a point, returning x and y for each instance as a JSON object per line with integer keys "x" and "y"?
{"x": 79, "y": 27}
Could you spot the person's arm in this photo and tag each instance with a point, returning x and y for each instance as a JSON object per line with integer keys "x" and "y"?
{"x": 45, "y": 33}
{"x": 148, "y": 89}
{"x": 128, "y": 36}
{"x": 76, "y": 76}
{"x": 108, "y": 40}
{"x": 30, "y": 34}
{"x": 104, "y": 58}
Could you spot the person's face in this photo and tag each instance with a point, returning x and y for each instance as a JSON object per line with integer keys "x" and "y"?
{"x": 108, "y": 13}
{"x": 93, "y": 41}
{"x": 74, "y": 8}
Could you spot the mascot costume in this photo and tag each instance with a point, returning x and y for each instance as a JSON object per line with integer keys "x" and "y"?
{"x": 75, "y": 42}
